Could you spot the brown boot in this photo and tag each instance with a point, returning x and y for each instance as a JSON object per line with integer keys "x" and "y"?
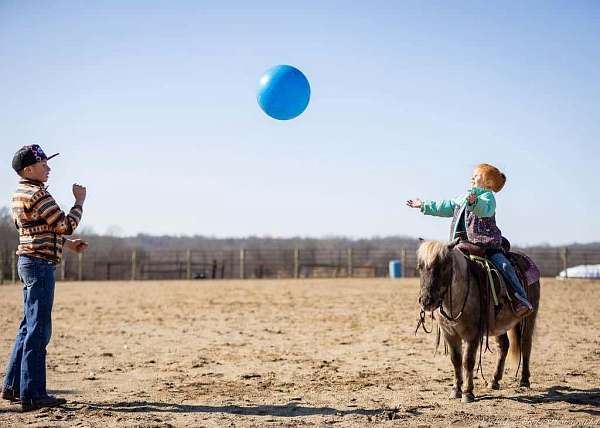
{"x": 40, "y": 403}
{"x": 10, "y": 395}
{"x": 521, "y": 309}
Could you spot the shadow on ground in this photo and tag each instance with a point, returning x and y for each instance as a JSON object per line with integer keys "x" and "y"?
{"x": 560, "y": 394}
{"x": 287, "y": 410}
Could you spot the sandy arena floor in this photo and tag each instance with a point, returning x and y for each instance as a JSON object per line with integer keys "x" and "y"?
{"x": 292, "y": 353}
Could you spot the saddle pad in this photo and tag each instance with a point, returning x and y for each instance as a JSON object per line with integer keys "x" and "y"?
{"x": 527, "y": 266}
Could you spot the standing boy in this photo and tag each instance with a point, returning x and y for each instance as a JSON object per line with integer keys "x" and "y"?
{"x": 41, "y": 225}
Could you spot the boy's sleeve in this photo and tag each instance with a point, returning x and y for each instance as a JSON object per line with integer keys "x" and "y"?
{"x": 443, "y": 208}
{"x": 484, "y": 206}
{"x": 47, "y": 208}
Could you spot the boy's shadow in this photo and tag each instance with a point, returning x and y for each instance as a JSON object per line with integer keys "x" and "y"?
{"x": 286, "y": 410}
{"x": 560, "y": 394}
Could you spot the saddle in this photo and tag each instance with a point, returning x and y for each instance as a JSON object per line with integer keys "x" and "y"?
{"x": 493, "y": 291}
{"x": 526, "y": 269}
{"x": 496, "y": 293}
{"x": 485, "y": 272}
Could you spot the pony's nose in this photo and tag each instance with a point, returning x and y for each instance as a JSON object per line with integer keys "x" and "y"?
{"x": 426, "y": 301}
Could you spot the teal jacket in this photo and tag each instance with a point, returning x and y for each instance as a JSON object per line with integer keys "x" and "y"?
{"x": 477, "y": 220}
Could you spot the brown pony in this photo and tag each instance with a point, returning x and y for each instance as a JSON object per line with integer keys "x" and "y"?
{"x": 451, "y": 291}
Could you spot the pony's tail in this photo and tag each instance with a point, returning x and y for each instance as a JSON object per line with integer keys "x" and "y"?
{"x": 514, "y": 351}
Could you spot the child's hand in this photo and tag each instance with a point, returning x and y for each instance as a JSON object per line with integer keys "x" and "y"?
{"x": 76, "y": 245}
{"x": 414, "y": 203}
{"x": 80, "y": 193}
{"x": 472, "y": 198}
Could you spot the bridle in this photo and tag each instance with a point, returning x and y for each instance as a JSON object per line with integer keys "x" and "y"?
{"x": 451, "y": 317}
{"x": 448, "y": 290}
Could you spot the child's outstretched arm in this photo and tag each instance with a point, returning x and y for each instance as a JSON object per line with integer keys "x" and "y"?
{"x": 443, "y": 208}
{"x": 483, "y": 205}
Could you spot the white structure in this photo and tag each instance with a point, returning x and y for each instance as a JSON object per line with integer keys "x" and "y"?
{"x": 582, "y": 271}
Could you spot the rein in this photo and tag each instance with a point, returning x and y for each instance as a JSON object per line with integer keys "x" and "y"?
{"x": 421, "y": 322}
{"x": 449, "y": 289}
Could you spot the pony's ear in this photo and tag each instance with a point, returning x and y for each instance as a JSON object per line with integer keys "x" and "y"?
{"x": 453, "y": 244}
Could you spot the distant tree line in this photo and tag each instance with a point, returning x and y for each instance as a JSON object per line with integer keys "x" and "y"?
{"x": 106, "y": 244}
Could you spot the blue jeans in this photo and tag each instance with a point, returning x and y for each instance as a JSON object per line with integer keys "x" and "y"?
{"x": 507, "y": 270}
{"x": 26, "y": 369}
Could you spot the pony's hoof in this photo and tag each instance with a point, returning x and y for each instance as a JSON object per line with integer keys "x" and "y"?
{"x": 494, "y": 385}
{"x": 456, "y": 393}
{"x": 524, "y": 384}
{"x": 468, "y": 397}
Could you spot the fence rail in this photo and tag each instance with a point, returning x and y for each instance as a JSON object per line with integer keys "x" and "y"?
{"x": 261, "y": 263}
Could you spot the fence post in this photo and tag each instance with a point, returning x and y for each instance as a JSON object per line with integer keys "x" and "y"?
{"x": 63, "y": 267}
{"x": 188, "y": 262}
{"x": 133, "y": 264}
{"x": 565, "y": 260}
{"x": 213, "y": 270}
{"x": 13, "y": 265}
{"x": 242, "y": 263}
{"x": 296, "y": 262}
{"x": 80, "y": 267}
{"x": 350, "y": 267}
{"x": 2, "y": 267}
{"x": 403, "y": 258}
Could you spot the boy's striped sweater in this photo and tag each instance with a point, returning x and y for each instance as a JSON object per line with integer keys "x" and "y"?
{"x": 40, "y": 221}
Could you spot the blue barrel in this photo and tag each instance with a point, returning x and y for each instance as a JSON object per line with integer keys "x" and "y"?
{"x": 395, "y": 269}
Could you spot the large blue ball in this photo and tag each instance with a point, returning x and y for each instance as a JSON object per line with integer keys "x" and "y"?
{"x": 283, "y": 92}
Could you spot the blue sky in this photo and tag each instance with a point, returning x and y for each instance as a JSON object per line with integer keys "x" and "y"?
{"x": 152, "y": 105}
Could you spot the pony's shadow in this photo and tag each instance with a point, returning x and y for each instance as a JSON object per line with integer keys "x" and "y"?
{"x": 287, "y": 410}
{"x": 560, "y": 394}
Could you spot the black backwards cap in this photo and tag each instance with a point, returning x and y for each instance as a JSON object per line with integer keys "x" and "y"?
{"x": 29, "y": 155}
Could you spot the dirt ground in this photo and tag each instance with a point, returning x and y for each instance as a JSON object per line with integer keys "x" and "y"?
{"x": 292, "y": 353}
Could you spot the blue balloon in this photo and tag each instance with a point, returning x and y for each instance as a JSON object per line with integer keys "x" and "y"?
{"x": 283, "y": 92}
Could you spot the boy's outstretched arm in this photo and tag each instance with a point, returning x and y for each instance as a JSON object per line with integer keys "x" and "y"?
{"x": 48, "y": 209}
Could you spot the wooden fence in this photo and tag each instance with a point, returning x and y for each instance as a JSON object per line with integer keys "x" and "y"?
{"x": 264, "y": 263}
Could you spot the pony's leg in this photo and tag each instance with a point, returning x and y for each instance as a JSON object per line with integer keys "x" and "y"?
{"x": 468, "y": 366}
{"x": 455, "y": 344}
{"x": 527, "y": 336}
{"x": 502, "y": 344}
{"x": 526, "y": 343}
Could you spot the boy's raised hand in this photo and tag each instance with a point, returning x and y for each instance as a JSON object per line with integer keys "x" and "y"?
{"x": 414, "y": 203}
{"x": 80, "y": 193}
